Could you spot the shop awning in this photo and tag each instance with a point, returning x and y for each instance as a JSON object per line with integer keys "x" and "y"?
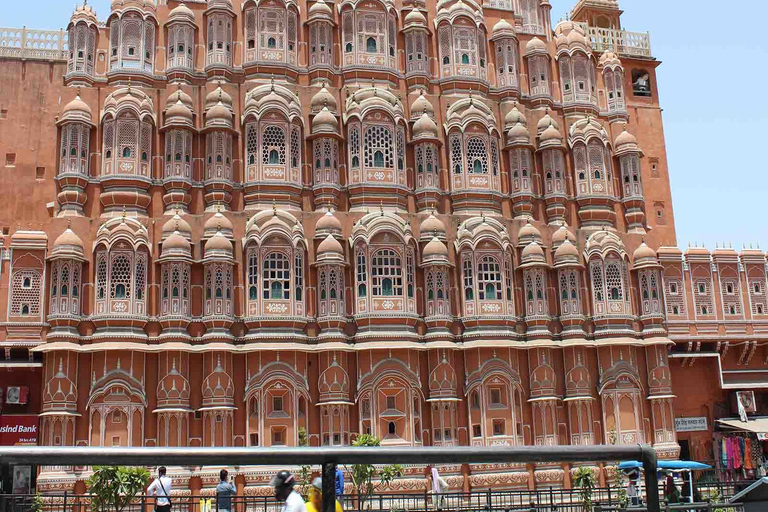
{"x": 758, "y": 425}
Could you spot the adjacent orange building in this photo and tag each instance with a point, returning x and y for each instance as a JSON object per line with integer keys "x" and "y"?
{"x": 232, "y": 223}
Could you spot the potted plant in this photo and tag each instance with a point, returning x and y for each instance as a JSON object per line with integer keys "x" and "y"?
{"x": 112, "y": 488}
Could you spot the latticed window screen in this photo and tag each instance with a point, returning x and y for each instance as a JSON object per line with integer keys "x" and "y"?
{"x": 348, "y": 30}
{"x": 273, "y": 146}
{"x": 757, "y": 296}
{"x": 598, "y": 288}
{"x": 477, "y": 156}
{"x": 674, "y": 297}
{"x": 120, "y": 277}
{"x": 569, "y": 293}
{"x": 702, "y": 295}
{"x": 494, "y": 157}
{"x": 378, "y": 148}
{"x": 729, "y": 289}
{"x": 354, "y": 145}
{"x": 141, "y": 276}
{"x": 25, "y": 292}
{"x": 386, "y": 273}
{"x": 271, "y": 29}
{"x": 465, "y": 46}
{"x": 132, "y": 32}
{"x": 530, "y": 12}
{"x": 468, "y": 275}
{"x": 566, "y": 78}
{"x": 295, "y": 147}
{"x": 276, "y": 277}
{"x": 252, "y": 143}
{"x": 489, "y": 286}
{"x": 456, "y": 153}
{"x": 445, "y": 36}
{"x": 101, "y": 276}
{"x": 362, "y": 274}
{"x": 613, "y": 281}
{"x": 538, "y": 71}
{"x": 253, "y": 274}
{"x": 298, "y": 273}
{"x": 409, "y": 274}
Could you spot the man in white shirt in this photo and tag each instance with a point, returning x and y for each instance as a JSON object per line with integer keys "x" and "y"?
{"x": 283, "y": 484}
{"x": 161, "y": 489}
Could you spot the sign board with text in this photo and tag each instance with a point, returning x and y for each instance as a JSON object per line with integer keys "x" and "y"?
{"x": 18, "y": 429}
{"x": 692, "y": 424}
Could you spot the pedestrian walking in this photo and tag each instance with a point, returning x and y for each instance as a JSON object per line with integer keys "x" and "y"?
{"x": 283, "y": 483}
{"x": 315, "y": 503}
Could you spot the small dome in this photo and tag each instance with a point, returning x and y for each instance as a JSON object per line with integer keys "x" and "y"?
{"x": 518, "y": 135}
{"x": 415, "y": 17}
{"x": 218, "y": 242}
{"x": 68, "y": 244}
{"x": 325, "y": 122}
{"x": 533, "y": 255}
{"x": 425, "y": 127}
{"x": 175, "y": 244}
{"x": 218, "y": 113}
{"x": 323, "y": 99}
{"x": 68, "y": 238}
{"x": 329, "y": 245}
{"x": 514, "y": 116}
{"x": 328, "y": 222}
{"x": 545, "y": 122}
{"x": 432, "y": 226}
{"x": 178, "y": 111}
{"x": 567, "y": 255}
{"x": 79, "y": 106}
{"x": 181, "y": 12}
{"x": 421, "y": 105}
{"x": 645, "y": 257}
{"x": 576, "y": 37}
{"x": 216, "y": 96}
{"x": 216, "y": 223}
{"x": 528, "y": 234}
{"x": 176, "y": 223}
{"x": 535, "y": 45}
{"x": 533, "y": 249}
{"x": 551, "y": 137}
{"x": 435, "y": 248}
{"x": 626, "y": 143}
{"x": 501, "y": 27}
{"x": 320, "y": 8}
{"x": 561, "y": 235}
{"x": 643, "y": 252}
{"x": 609, "y": 59}
{"x": 177, "y": 95}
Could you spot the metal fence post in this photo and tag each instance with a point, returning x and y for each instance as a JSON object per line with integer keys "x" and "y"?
{"x": 488, "y": 500}
{"x": 651, "y": 478}
{"x": 610, "y": 497}
{"x": 329, "y": 486}
{"x": 64, "y": 503}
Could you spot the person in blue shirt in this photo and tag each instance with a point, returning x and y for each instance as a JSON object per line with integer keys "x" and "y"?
{"x": 339, "y": 484}
{"x": 224, "y": 492}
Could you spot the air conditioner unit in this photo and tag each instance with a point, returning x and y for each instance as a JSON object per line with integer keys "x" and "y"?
{"x": 746, "y": 399}
{"x": 16, "y": 395}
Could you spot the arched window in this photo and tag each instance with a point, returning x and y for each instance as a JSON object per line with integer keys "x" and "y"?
{"x": 276, "y": 277}
{"x": 378, "y": 159}
{"x": 386, "y": 274}
{"x": 126, "y": 152}
{"x": 464, "y": 58}
{"x": 446, "y": 60}
{"x": 348, "y": 48}
{"x": 469, "y": 287}
{"x": 362, "y": 275}
{"x": 274, "y": 158}
{"x": 370, "y": 45}
{"x": 271, "y": 43}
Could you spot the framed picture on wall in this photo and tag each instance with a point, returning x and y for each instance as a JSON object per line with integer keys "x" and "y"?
{"x": 22, "y": 479}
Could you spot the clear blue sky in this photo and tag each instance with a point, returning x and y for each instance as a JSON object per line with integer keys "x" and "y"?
{"x": 711, "y": 83}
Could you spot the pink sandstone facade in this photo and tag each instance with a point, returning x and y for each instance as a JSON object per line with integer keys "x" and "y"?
{"x": 434, "y": 222}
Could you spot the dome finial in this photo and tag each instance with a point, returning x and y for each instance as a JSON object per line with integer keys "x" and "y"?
{"x": 381, "y": 207}
{"x": 274, "y": 208}
{"x": 129, "y": 86}
{"x": 123, "y": 214}
{"x": 69, "y": 223}
{"x": 272, "y": 83}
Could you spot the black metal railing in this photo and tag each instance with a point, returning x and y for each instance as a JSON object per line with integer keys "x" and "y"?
{"x": 328, "y": 458}
{"x": 491, "y": 501}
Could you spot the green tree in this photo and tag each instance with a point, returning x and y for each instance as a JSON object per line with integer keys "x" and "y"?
{"x": 37, "y": 503}
{"x": 617, "y": 476}
{"x": 305, "y": 473}
{"x": 584, "y": 479}
{"x": 364, "y": 474}
{"x": 112, "y": 488}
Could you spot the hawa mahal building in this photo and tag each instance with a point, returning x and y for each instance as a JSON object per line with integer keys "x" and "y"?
{"x": 246, "y": 223}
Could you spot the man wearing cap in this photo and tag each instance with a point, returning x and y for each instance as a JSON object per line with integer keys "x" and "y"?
{"x": 283, "y": 483}
{"x": 315, "y": 503}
